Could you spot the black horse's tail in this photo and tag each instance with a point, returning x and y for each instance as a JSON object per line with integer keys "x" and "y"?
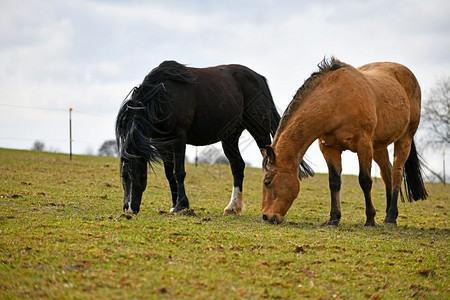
{"x": 305, "y": 170}
{"x": 412, "y": 174}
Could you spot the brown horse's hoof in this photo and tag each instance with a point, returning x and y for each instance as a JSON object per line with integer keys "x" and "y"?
{"x": 328, "y": 224}
{"x": 331, "y": 224}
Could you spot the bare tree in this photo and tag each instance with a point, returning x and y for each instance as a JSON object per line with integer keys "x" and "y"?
{"x": 213, "y": 156}
{"x": 436, "y": 115}
{"x": 109, "y": 148}
{"x": 38, "y": 146}
{"x": 436, "y": 121}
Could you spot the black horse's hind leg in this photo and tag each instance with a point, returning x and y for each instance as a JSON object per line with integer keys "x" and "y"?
{"x": 237, "y": 164}
{"x": 179, "y": 150}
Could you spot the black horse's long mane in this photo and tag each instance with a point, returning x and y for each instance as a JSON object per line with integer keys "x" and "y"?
{"x": 324, "y": 66}
{"x": 147, "y": 112}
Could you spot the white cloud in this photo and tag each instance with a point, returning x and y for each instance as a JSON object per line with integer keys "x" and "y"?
{"x": 89, "y": 54}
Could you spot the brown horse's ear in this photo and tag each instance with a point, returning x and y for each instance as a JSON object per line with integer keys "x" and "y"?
{"x": 270, "y": 154}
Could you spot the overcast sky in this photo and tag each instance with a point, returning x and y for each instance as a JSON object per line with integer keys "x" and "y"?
{"x": 87, "y": 55}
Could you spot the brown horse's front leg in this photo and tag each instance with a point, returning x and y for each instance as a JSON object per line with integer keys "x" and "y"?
{"x": 365, "y": 182}
{"x": 333, "y": 158}
{"x": 335, "y": 190}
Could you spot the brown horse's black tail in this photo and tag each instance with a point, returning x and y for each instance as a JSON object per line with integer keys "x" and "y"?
{"x": 305, "y": 170}
{"x": 412, "y": 177}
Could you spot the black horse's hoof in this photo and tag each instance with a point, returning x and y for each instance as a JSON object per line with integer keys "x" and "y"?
{"x": 370, "y": 224}
{"x": 183, "y": 211}
{"x": 369, "y": 227}
{"x": 232, "y": 211}
{"x": 127, "y": 216}
{"x": 186, "y": 212}
{"x": 390, "y": 223}
{"x": 177, "y": 209}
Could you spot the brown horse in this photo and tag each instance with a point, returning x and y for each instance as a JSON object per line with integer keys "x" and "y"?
{"x": 363, "y": 110}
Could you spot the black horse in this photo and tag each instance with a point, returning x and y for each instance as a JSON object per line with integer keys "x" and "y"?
{"x": 177, "y": 105}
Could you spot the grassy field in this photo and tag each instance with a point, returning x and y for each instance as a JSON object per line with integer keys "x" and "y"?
{"x": 63, "y": 235}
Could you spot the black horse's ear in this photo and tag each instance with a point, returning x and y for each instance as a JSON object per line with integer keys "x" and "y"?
{"x": 263, "y": 151}
{"x": 269, "y": 153}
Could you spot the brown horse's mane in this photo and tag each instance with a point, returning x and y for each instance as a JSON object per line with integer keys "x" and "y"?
{"x": 325, "y": 66}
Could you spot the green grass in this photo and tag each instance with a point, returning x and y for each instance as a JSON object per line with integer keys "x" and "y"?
{"x": 63, "y": 235}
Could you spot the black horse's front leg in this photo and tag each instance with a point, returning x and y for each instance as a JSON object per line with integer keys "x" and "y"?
{"x": 179, "y": 150}
{"x": 169, "y": 170}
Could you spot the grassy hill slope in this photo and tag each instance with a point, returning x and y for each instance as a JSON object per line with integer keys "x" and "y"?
{"x": 63, "y": 235}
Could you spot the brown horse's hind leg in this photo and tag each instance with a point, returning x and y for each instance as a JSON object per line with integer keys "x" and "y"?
{"x": 365, "y": 181}
{"x": 381, "y": 157}
{"x": 401, "y": 152}
{"x": 333, "y": 158}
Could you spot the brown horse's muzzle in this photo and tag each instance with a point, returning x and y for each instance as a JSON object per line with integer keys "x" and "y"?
{"x": 274, "y": 218}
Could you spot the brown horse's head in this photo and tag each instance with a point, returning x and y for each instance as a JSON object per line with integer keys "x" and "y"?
{"x": 280, "y": 187}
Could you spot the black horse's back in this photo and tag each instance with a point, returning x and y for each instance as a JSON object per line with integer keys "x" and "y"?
{"x": 168, "y": 70}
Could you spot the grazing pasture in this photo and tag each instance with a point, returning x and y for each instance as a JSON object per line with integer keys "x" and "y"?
{"x": 63, "y": 235}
